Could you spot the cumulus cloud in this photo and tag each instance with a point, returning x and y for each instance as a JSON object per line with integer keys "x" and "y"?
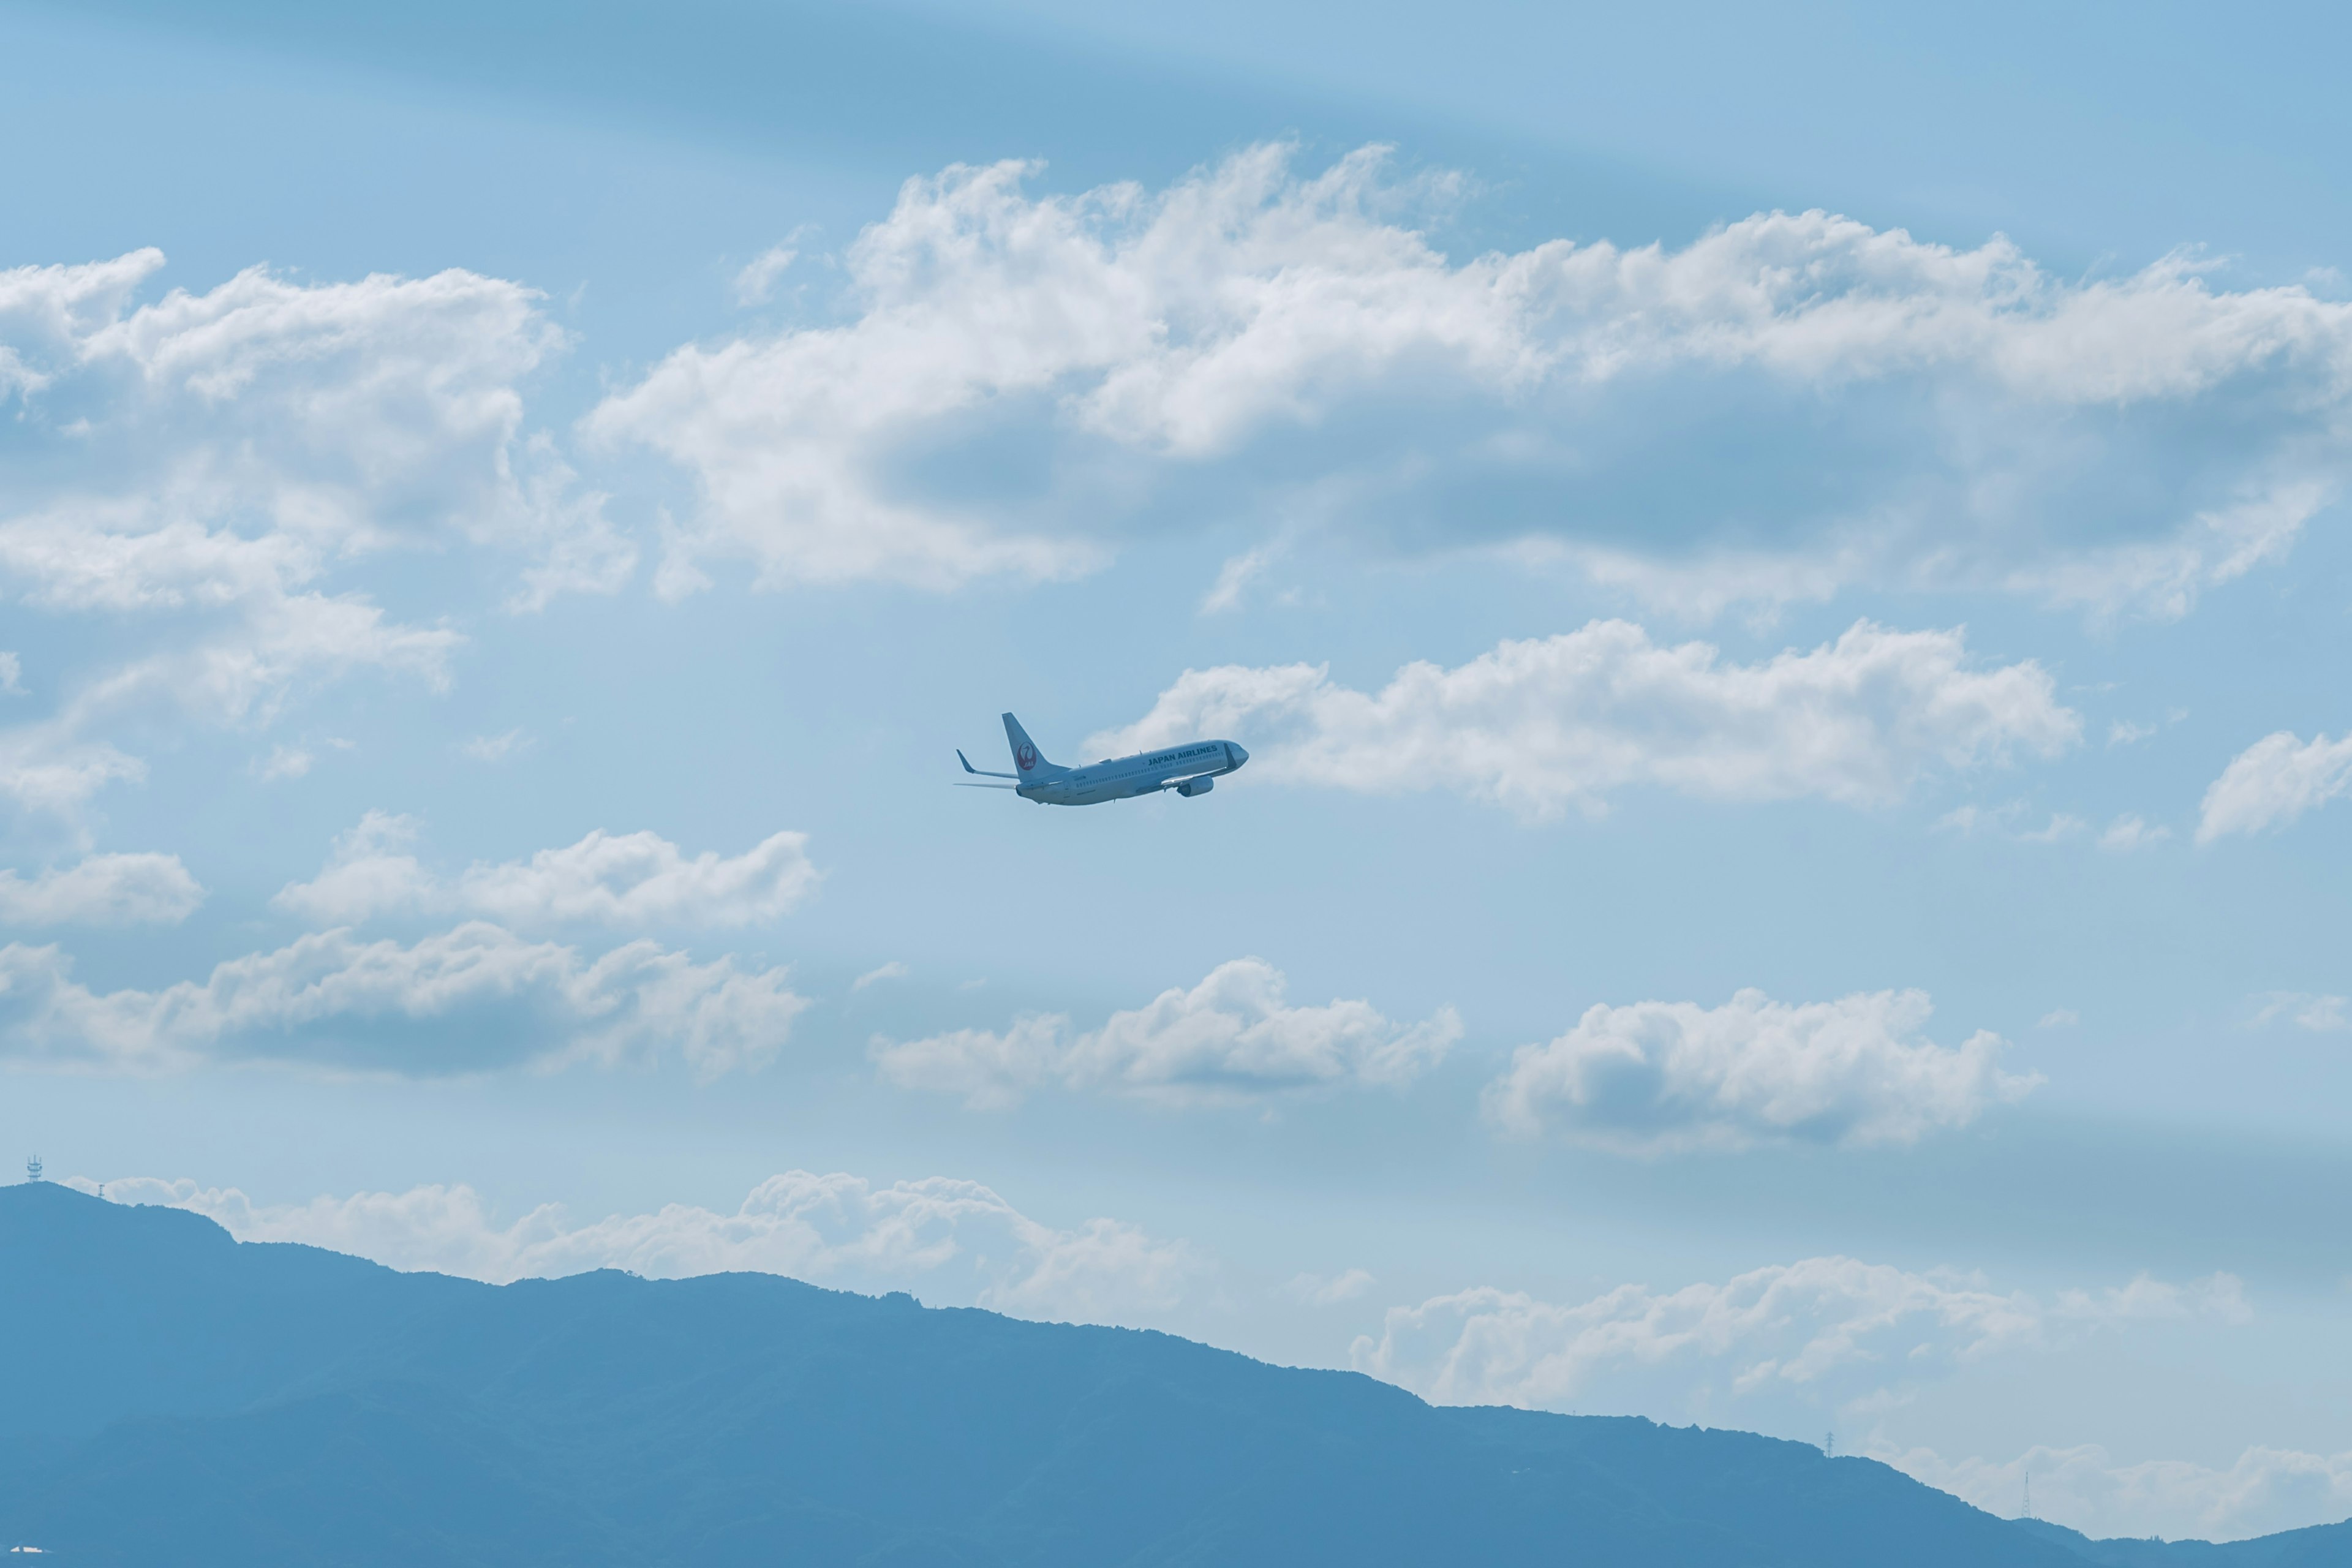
{"x": 953, "y": 1240}
{"x": 894, "y": 970}
{"x": 2086, "y": 1489}
{"x": 1789, "y": 404}
{"x": 49, "y": 766}
{"x": 2273, "y": 782}
{"x": 473, "y": 998}
{"x": 1823, "y": 1331}
{"x": 369, "y": 872}
{"x": 612, "y": 879}
{"x": 343, "y": 415}
{"x": 1231, "y": 1037}
{"x": 1658, "y": 1077}
{"x": 1539, "y": 725}
{"x": 199, "y": 467}
{"x": 102, "y": 890}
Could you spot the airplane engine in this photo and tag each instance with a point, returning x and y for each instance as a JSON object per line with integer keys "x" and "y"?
{"x": 1190, "y": 787}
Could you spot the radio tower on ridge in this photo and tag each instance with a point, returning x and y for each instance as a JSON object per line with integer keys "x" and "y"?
{"x": 32, "y": 1169}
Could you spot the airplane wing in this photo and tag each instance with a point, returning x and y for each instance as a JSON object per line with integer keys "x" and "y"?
{"x": 982, "y": 771}
{"x": 961, "y": 784}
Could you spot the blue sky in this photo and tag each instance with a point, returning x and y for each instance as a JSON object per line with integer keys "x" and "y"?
{"x": 1784, "y": 579}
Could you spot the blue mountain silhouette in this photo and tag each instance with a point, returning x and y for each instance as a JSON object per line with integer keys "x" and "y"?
{"x": 175, "y": 1397}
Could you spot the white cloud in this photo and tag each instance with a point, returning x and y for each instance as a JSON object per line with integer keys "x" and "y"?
{"x": 345, "y": 414}
{"x": 240, "y": 675}
{"x": 953, "y": 1240}
{"x": 2084, "y": 1489}
{"x": 2129, "y": 831}
{"x": 2123, "y": 733}
{"x": 206, "y": 463}
{"x": 1812, "y": 402}
{"x": 368, "y": 873}
{"x": 758, "y": 280}
{"x": 1236, "y": 574}
{"x": 1821, "y": 1333}
{"x": 1231, "y": 1037}
{"x": 1540, "y": 725}
{"x": 12, "y": 676}
{"x": 2059, "y": 1018}
{"x": 989, "y": 1069}
{"x": 894, "y": 970}
{"x": 624, "y": 879}
{"x": 642, "y": 879}
{"x": 102, "y": 890}
{"x": 497, "y": 748}
{"x": 2274, "y": 780}
{"x": 1656, "y": 1076}
{"x": 475, "y": 997}
{"x": 284, "y": 762}
{"x": 1314, "y": 1290}
{"x": 49, "y": 767}
{"x": 2320, "y": 1013}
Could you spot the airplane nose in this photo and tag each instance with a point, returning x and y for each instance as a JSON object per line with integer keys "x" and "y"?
{"x": 1239, "y": 756}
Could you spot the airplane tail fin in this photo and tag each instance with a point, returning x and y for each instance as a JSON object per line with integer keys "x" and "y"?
{"x": 1026, "y": 757}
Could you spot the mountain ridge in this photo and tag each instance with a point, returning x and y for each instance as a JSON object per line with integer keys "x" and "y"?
{"x": 217, "y": 1402}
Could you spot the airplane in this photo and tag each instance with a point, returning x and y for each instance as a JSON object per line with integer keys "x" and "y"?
{"x": 1190, "y": 769}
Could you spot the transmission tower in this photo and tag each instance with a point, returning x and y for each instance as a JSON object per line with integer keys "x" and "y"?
{"x": 2028, "y": 1494}
{"x": 1829, "y": 1445}
{"x": 32, "y": 1169}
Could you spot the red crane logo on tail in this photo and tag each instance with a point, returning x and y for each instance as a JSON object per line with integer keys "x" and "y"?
{"x": 1025, "y": 758}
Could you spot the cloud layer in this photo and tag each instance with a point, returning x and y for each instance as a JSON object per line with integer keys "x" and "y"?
{"x": 197, "y": 468}
{"x": 472, "y": 998}
{"x": 955, "y": 1241}
{"x": 2273, "y": 782}
{"x": 1816, "y": 1334}
{"x": 1540, "y": 725}
{"x": 2086, "y": 1489}
{"x": 1657, "y": 1077}
{"x": 610, "y": 879}
{"x": 1232, "y": 1037}
{"x": 104, "y": 891}
{"x": 1790, "y": 404}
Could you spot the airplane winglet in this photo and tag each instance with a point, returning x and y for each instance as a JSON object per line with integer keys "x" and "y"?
{"x": 983, "y": 773}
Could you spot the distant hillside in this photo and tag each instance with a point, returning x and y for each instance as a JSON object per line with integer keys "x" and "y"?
{"x": 174, "y": 1397}
{"x": 2327, "y": 1543}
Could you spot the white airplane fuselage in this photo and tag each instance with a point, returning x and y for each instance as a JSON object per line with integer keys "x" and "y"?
{"x": 1145, "y": 773}
{"x": 1189, "y": 770}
